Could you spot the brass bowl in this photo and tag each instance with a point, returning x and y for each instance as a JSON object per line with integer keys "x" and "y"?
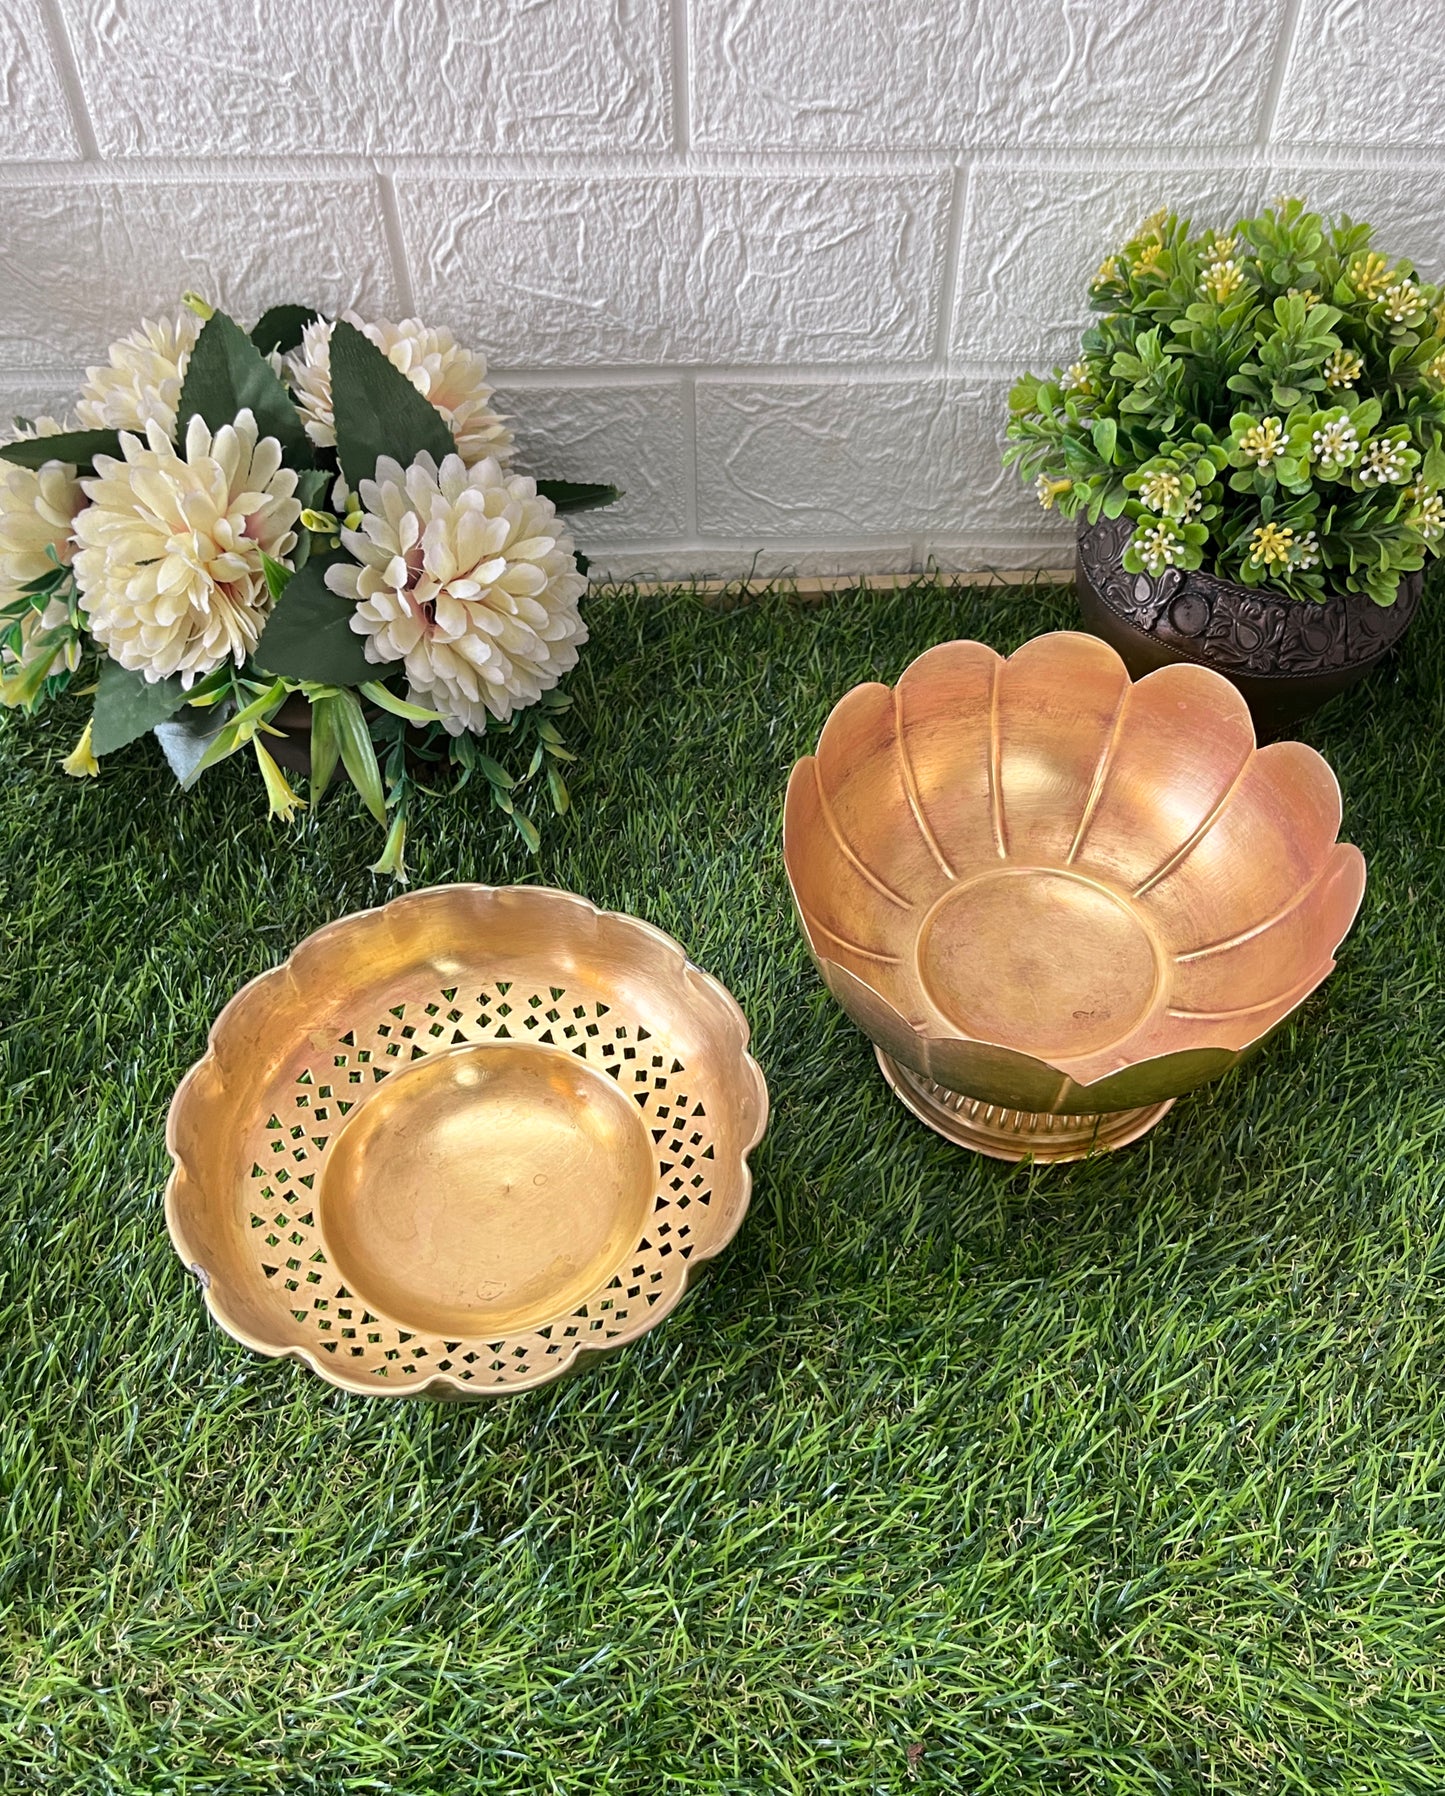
{"x": 454, "y": 1143}
{"x": 1056, "y": 900}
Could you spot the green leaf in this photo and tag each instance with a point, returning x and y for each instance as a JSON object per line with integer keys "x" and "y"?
{"x": 494, "y": 773}
{"x": 309, "y": 636}
{"x": 1105, "y": 434}
{"x": 311, "y": 485}
{"x": 238, "y": 730}
{"x": 358, "y": 755}
{"x": 78, "y": 447}
{"x": 557, "y": 786}
{"x": 377, "y": 409}
{"x": 228, "y": 374}
{"x": 224, "y": 742}
{"x": 127, "y": 705}
{"x": 278, "y": 575}
{"x": 325, "y": 745}
{"x": 527, "y": 830}
{"x": 281, "y": 328}
{"x": 186, "y": 740}
{"x": 399, "y": 707}
{"x": 46, "y": 583}
{"x": 573, "y": 495}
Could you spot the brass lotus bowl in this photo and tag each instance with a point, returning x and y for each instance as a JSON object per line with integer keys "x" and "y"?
{"x": 455, "y": 1144}
{"x": 1057, "y": 900}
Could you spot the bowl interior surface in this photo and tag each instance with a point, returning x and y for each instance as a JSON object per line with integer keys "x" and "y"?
{"x": 461, "y": 1137}
{"x": 1079, "y": 874}
{"x": 485, "y": 1189}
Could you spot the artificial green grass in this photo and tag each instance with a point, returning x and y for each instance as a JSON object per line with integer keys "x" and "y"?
{"x": 1119, "y": 1477}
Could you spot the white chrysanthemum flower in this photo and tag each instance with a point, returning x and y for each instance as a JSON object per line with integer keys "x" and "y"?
{"x": 37, "y": 514}
{"x": 468, "y": 577}
{"x": 452, "y": 378}
{"x": 169, "y": 567}
{"x": 142, "y": 385}
{"x": 38, "y": 641}
{"x": 37, "y": 519}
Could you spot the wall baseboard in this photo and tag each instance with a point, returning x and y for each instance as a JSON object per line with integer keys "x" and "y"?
{"x": 820, "y": 585}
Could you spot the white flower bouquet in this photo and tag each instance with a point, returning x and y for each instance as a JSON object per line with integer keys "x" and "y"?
{"x": 307, "y": 542}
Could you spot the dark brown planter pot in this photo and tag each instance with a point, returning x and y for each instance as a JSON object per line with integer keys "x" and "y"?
{"x": 293, "y": 750}
{"x": 1287, "y": 656}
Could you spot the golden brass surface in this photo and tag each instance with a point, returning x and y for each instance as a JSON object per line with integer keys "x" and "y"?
{"x": 1047, "y": 892}
{"x": 455, "y": 1142}
{"x": 1005, "y": 1134}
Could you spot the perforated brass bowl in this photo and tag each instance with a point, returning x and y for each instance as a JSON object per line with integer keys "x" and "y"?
{"x": 456, "y": 1142}
{"x": 1056, "y": 900}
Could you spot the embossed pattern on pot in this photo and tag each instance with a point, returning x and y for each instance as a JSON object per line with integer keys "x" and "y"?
{"x": 1287, "y": 656}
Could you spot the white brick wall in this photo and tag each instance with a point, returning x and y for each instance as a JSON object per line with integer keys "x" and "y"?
{"x": 768, "y": 263}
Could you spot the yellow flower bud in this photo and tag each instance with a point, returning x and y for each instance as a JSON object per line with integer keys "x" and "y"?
{"x": 393, "y": 856}
{"x": 81, "y": 763}
{"x": 283, "y": 801}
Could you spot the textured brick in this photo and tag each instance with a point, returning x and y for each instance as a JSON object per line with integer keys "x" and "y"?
{"x": 1051, "y": 548}
{"x": 163, "y": 76}
{"x": 32, "y": 395}
{"x": 750, "y": 561}
{"x": 800, "y": 279}
{"x": 1034, "y": 236}
{"x": 1365, "y": 74}
{"x": 924, "y": 74}
{"x": 631, "y": 435}
{"x": 847, "y": 459}
{"x": 83, "y": 261}
{"x": 35, "y": 121}
{"x": 704, "y": 268}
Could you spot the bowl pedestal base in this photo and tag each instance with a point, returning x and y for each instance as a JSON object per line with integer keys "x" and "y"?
{"x": 1005, "y": 1134}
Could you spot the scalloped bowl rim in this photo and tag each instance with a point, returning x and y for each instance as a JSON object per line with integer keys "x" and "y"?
{"x": 446, "y": 1383}
{"x": 1172, "y": 672}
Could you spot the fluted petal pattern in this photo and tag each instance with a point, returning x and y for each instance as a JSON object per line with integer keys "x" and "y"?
{"x": 1048, "y": 887}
